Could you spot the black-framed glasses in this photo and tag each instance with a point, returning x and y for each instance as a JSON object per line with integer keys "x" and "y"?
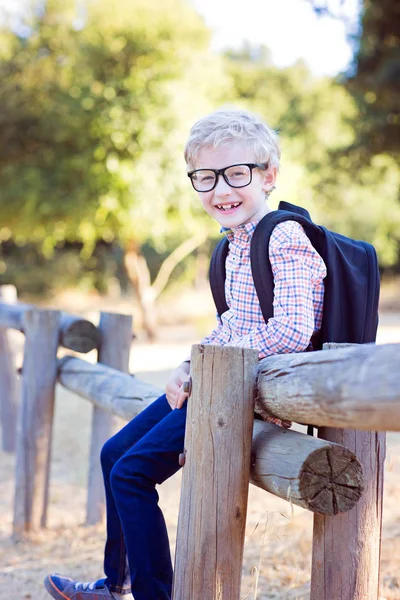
{"x": 237, "y": 176}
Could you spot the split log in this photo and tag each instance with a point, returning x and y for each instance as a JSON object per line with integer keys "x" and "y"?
{"x": 357, "y": 387}
{"x": 119, "y": 393}
{"x": 76, "y": 333}
{"x": 116, "y": 338}
{"x": 210, "y": 535}
{"x": 320, "y": 476}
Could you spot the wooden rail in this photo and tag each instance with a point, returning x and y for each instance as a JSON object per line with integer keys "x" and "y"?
{"x": 119, "y": 393}
{"x": 44, "y": 331}
{"x": 75, "y": 333}
{"x": 355, "y": 386}
{"x": 286, "y": 463}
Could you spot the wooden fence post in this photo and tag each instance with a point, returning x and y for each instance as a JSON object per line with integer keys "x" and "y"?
{"x": 8, "y": 378}
{"x": 212, "y": 514}
{"x": 346, "y": 547}
{"x": 116, "y": 338}
{"x": 35, "y": 419}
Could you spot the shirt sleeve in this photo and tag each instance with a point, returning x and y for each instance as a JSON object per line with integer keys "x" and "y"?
{"x": 297, "y": 270}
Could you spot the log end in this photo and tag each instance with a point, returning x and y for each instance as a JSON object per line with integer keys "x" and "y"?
{"x": 331, "y": 480}
{"x": 81, "y": 336}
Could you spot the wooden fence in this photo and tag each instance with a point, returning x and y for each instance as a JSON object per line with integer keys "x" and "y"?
{"x": 338, "y": 476}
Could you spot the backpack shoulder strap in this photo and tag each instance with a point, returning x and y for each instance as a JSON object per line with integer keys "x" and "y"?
{"x": 217, "y": 275}
{"x": 259, "y": 255}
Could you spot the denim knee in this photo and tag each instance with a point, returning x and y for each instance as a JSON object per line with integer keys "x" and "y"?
{"x": 129, "y": 472}
{"x": 108, "y": 456}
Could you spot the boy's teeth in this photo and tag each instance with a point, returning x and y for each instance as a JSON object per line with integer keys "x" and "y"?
{"x": 228, "y": 206}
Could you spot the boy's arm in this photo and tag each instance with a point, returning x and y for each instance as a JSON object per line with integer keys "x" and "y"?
{"x": 174, "y": 387}
{"x": 298, "y": 274}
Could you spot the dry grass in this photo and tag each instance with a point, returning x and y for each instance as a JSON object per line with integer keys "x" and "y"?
{"x": 278, "y": 537}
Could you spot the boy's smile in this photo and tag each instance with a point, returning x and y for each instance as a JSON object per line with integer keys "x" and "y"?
{"x": 228, "y": 205}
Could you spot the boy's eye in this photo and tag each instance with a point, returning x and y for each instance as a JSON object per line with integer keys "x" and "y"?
{"x": 205, "y": 177}
{"x": 237, "y": 172}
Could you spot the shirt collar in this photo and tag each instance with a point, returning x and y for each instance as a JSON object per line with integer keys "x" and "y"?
{"x": 242, "y": 232}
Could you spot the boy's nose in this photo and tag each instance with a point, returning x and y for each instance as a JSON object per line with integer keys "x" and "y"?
{"x": 222, "y": 188}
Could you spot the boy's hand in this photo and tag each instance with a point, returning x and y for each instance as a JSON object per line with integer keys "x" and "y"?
{"x": 174, "y": 388}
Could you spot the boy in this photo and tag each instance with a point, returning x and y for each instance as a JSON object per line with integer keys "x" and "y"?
{"x": 232, "y": 160}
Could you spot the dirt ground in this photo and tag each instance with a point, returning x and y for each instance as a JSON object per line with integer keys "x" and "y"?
{"x": 277, "y": 554}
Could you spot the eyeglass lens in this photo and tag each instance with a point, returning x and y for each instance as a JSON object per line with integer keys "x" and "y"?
{"x": 236, "y": 176}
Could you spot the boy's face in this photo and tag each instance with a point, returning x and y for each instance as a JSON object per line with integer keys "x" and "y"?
{"x": 230, "y": 206}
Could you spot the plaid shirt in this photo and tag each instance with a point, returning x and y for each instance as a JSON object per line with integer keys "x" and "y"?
{"x": 298, "y": 272}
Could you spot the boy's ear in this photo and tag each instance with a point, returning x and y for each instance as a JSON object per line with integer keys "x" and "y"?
{"x": 269, "y": 179}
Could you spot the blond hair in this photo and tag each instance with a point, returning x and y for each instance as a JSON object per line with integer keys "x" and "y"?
{"x": 233, "y": 125}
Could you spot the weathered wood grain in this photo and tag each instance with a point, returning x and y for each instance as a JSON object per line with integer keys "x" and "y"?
{"x": 323, "y": 477}
{"x": 287, "y": 456}
{"x": 346, "y": 548}
{"x": 212, "y": 514}
{"x": 356, "y": 387}
{"x": 35, "y": 424}
{"x": 116, "y": 338}
{"x": 119, "y": 393}
{"x": 76, "y": 333}
{"x": 8, "y": 379}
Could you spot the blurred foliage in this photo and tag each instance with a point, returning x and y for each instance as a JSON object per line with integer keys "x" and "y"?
{"x": 96, "y": 108}
{"x": 315, "y": 119}
{"x": 373, "y": 77}
{"x": 375, "y": 80}
{"x": 94, "y": 120}
{"x": 41, "y": 276}
{"x": 103, "y": 272}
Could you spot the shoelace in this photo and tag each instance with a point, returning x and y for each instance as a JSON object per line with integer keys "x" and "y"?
{"x": 85, "y": 585}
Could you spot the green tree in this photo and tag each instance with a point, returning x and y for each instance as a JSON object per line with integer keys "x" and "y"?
{"x": 95, "y": 114}
{"x": 374, "y": 80}
{"x": 316, "y": 119}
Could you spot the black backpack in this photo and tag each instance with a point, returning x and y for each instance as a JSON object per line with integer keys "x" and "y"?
{"x": 351, "y": 286}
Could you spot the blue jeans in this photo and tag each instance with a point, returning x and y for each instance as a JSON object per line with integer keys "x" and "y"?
{"x": 144, "y": 453}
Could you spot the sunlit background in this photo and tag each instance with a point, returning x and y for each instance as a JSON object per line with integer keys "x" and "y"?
{"x": 97, "y": 98}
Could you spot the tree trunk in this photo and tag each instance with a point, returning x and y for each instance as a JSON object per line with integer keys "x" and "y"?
{"x": 202, "y": 267}
{"x": 139, "y": 275}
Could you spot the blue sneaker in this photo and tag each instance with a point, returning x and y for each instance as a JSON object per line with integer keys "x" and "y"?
{"x": 64, "y": 588}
